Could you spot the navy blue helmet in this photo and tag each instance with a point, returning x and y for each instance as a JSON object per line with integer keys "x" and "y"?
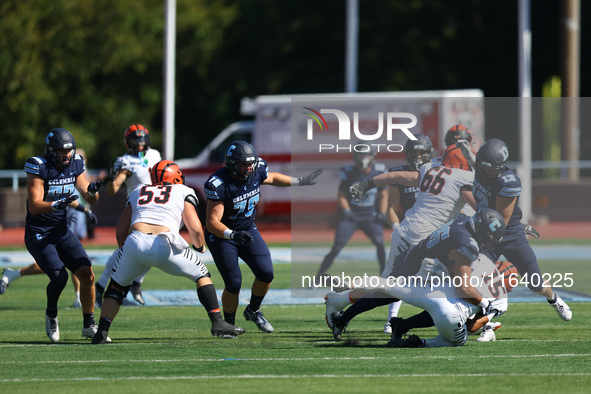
{"x": 493, "y": 154}
{"x": 241, "y": 152}
{"x": 419, "y": 151}
{"x": 59, "y": 139}
{"x": 488, "y": 226}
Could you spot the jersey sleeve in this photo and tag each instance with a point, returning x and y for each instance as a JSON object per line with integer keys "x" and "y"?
{"x": 35, "y": 165}
{"x": 121, "y": 164}
{"x": 263, "y": 170}
{"x": 214, "y": 188}
{"x": 509, "y": 185}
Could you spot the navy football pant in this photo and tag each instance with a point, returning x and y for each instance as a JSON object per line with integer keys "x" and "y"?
{"x": 54, "y": 253}
{"x": 226, "y": 252}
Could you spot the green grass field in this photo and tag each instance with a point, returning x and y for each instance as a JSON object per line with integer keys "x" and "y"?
{"x": 170, "y": 349}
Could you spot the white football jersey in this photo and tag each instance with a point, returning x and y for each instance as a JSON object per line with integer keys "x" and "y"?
{"x": 439, "y": 199}
{"x": 139, "y": 167}
{"x": 161, "y": 205}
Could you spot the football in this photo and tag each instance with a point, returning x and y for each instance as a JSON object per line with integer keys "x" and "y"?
{"x": 509, "y": 273}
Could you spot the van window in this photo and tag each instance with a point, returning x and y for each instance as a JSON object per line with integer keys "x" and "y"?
{"x": 218, "y": 155}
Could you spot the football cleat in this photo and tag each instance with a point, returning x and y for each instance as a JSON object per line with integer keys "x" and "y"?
{"x": 412, "y": 341}
{"x": 52, "y": 328}
{"x": 101, "y": 337}
{"x": 387, "y": 328}
{"x": 91, "y": 333}
{"x": 487, "y": 335}
{"x": 259, "y": 319}
{"x": 136, "y": 293}
{"x": 225, "y": 330}
{"x": 395, "y": 325}
{"x": 8, "y": 275}
{"x": 561, "y": 307}
{"x": 337, "y": 327}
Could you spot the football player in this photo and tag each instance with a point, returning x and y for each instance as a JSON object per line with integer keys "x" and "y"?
{"x": 153, "y": 217}
{"x": 132, "y": 170}
{"x": 418, "y": 152}
{"x": 232, "y": 194}
{"x": 442, "y": 193}
{"x": 447, "y": 304}
{"x": 51, "y": 181}
{"x": 498, "y": 187}
{"x": 368, "y": 214}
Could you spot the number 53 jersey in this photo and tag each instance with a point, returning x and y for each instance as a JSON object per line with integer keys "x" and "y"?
{"x": 240, "y": 198}
{"x": 161, "y": 204}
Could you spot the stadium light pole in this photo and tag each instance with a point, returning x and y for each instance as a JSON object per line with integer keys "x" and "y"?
{"x": 169, "y": 76}
{"x": 524, "y": 169}
{"x": 351, "y": 46}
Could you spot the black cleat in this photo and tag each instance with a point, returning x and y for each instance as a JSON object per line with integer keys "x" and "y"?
{"x": 101, "y": 337}
{"x": 136, "y": 293}
{"x": 412, "y": 341}
{"x": 225, "y": 329}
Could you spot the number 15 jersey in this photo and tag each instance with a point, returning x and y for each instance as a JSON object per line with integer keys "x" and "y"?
{"x": 240, "y": 198}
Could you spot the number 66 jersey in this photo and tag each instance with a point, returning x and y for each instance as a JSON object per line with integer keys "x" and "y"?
{"x": 240, "y": 197}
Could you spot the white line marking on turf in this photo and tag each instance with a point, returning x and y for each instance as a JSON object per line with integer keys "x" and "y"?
{"x": 292, "y": 359}
{"x": 290, "y": 376}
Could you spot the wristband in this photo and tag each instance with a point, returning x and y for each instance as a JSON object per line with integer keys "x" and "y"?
{"x": 80, "y": 208}
{"x": 228, "y": 233}
{"x": 295, "y": 181}
{"x": 92, "y": 194}
{"x": 199, "y": 249}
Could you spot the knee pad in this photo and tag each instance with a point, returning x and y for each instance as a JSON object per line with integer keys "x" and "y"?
{"x": 60, "y": 279}
{"x": 117, "y": 295}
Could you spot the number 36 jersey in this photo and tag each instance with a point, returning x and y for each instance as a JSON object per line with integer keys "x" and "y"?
{"x": 240, "y": 198}
{"x": 439, "y": 199}
{"x": 160, "y": 204}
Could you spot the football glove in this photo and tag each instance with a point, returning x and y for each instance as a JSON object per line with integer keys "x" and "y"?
{"x": 242, "y": 238}
{"x": 90, "y": 217}
{"x": 112, "y": 173}
{"x": 310, "y": 179}
{"x": 94, "y": 187}
{"x": 530, "y": 230}
{"x": 466, "y": 149}
{"x": 63, "y": 203}
{"x": 382, "y": 219}
{"x": 349, "y": 215}
{"x": 358, "y": 190}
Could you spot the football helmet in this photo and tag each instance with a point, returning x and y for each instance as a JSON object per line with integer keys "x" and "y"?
{"x": 488, "y": 226}
{"x": 60, "y": 139}
{"x": 364, "y": 159}
{"x": 493, "y": 154}
{"x": 166, "y": 172}
{"x": 241, "y": 152}
{"x": 457, "y": 132}
{"x": 419, "y": 151}
{"x": 136, "y": 136}
{"x": 453, "y": 158}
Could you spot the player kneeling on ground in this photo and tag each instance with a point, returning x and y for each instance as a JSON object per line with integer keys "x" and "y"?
{"x": 152, "y": 218}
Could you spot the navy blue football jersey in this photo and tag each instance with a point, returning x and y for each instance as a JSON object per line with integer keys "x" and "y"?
{"x": 507, "y": 184}
{"x": 351, "y": 175}
{"x": 453, "y": 235}
{"x": 408, "y": 194}
{"x": 240, "y": 198}
{"x": 57, "y": 184}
